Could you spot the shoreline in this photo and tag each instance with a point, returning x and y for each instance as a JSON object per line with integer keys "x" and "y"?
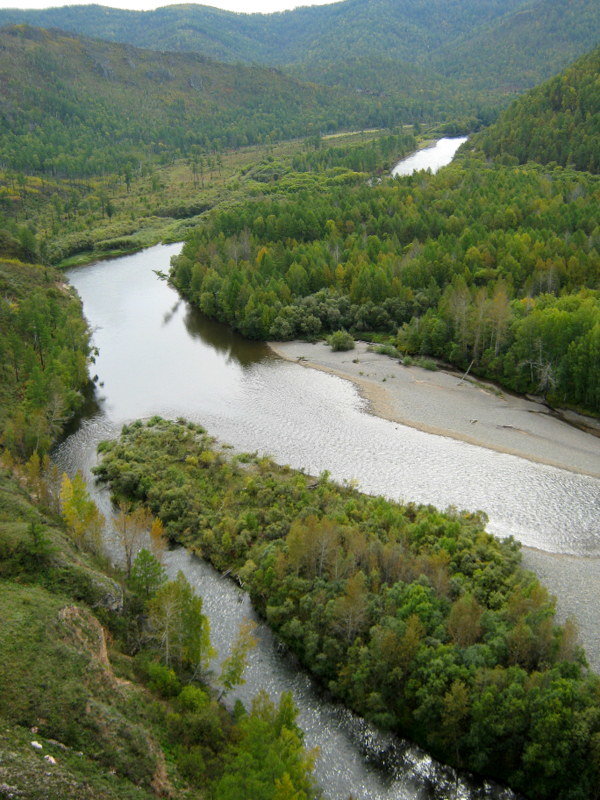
{"x": 441, "y": 404}
{"x": 418, "y": 398}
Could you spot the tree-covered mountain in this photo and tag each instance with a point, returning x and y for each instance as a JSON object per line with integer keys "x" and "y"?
{"x": 497, "y": 46}
{"x": 77, "y": 106}
{"x": 522, "y": 48}
{"x": 558, "y": 121}
{"x": 360, "y": 27}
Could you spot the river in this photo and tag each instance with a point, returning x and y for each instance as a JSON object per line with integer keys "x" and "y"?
{"x": 433, "y": 157}
{"x": 158, "y": 356}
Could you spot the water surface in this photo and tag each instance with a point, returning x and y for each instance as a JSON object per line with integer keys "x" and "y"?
{"x": 433, "y": 157}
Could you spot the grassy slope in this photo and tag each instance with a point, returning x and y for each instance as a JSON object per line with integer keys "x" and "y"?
{"x": 55, "y": 676}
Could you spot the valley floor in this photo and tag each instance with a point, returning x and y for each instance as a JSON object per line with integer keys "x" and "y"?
{"x": 441, "y": 403}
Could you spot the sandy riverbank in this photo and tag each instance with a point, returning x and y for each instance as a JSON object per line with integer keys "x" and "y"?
{"x": 440, "y": 403}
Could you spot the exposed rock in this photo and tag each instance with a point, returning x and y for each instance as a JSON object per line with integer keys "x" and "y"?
{"x": 110, "y": 594}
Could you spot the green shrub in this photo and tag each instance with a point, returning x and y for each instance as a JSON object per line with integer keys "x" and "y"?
{"x": 386, "y": 350}
{"x": 191, "y": 763}
{"x": 162, "y": 680}
{"x": 192, "y": 698}
{"x": 427, "y": 363}
{"x": 341, "y": 340}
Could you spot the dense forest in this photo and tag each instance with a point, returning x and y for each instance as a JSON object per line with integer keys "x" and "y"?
{"x": 483, "y": 264}
{"x": 44, "y": 354}
{"x": 496, "y": 46}
{"x": 127, "y": 105}
{"x": 278, "y": 38}
{"x": 418, "y": 619}
{"x": 520, "y": 49}
{"x": 558, "y": 121}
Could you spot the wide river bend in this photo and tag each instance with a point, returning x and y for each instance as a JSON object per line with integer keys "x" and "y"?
{"x": 159, "y": 356}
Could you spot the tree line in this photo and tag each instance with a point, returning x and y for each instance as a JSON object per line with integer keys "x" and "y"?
{"x": 480, "y": 263}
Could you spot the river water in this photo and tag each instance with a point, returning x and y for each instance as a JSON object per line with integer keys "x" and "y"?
{"x": 159, "y": 356}
{"x": 433, "y": 157}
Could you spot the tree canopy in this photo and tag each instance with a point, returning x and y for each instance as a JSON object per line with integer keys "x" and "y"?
{"x": 418, "y": 619}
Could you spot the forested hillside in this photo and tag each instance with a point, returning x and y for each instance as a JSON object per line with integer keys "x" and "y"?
{"x": 497, "y": 46}
{"x": 44, "y": 353}
{"x": 308, "y": 33}
{"x": 522, "y": 48}
{"x": 83, "y": 107}
{"x": 93, "y": 706}
{"x": 558, "y": 121}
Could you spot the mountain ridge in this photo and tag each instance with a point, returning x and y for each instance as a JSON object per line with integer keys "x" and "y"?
{"x": 281, "y": 37}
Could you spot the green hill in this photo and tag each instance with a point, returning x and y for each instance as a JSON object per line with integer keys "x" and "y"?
{"x": 77, "y": 106}
{"x": 497, "y": 46}
{"x": 558, "y": 121}
{"x": 405, "y": 29}
{"x": 522, "y": 48}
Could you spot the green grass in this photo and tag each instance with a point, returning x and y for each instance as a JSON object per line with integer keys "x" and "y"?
{"x": 75, "y": 776}
{"x": 55, "y": 676}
